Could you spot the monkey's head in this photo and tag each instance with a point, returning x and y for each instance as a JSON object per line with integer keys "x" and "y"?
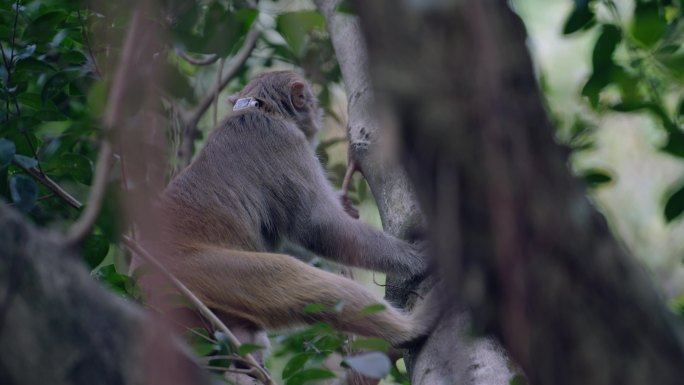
{"x": 285, "y": 94}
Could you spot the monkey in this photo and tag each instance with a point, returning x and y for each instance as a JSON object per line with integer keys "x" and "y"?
{"x": 256, "y": 182}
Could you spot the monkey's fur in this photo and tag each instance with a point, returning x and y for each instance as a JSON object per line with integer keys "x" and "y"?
{"x": 257, "y": 181}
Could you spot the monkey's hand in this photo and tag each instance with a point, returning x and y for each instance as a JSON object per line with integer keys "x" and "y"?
{"x": 349, "y": 206}
{"x": 423, "y": 261}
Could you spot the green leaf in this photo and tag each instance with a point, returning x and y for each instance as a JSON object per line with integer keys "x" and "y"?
{"x": 675, "y": 144}
{"x": 29, "y": 99}
{"x": 24, "y": 191}
{"x": 647, "y": 27}
{"x": 247, "y": 348}
{"x": 371, "y": 364}
{"x": 198, "y": 339}
{"x": 595, "y": 177}
{"x": 372, "y": 309}
{"x": 75, "y": 166}
{"x": 26, "y": 161}
{"x": 43, "y": 28}
{"x": 602, "y": 56}
{"x": 310, "y": 374}
{"x": 53, "y": 86}
{"x": 295, "y": 364}
{"x": 581, "y": 17}
{"x": 296, "y": 26}
{"x": 7, "y": 151}
{"x": 371, "y": 343}
{"x": 95, "y": 248}
{"x": 674, "y": 207}
{"x": 117, "y": 282}
{"x": 315, "y": 308}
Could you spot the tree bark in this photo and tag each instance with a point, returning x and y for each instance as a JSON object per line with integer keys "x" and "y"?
{"x": 525, "y": 250}
{"x": 450, "y": 354}
{"x": 58, "y": 326}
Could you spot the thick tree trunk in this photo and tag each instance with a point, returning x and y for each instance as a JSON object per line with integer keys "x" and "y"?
{"x": 523, "y": 247}
{"x": 58, "y": 326}
{"x": 450, "y": 355}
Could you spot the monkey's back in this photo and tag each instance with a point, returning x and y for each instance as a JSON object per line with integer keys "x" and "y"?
{"x": 245, "y": 186}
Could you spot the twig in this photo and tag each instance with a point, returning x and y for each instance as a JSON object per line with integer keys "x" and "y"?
{"x": 82, "y": 227}
{"x": 49, "y": 183}
{"x": 210, "y": 59}
{"x": 84, "y": 32}
{"x": 216, "y": 90}
{"x": 191, "y": 120}
{"x": 231, "y": 370}
{"x": 261, "y": 374}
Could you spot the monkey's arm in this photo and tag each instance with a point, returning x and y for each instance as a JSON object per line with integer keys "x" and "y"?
{"x": 331, "y": 233}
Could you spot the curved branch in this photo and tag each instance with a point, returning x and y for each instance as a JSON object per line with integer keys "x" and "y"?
{"x": 207, "y": 60}
{"x": 85, "y": 223}
{"x": 191, "y": 120}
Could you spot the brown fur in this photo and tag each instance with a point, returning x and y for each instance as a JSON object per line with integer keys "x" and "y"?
{"x": 256, "y": 182}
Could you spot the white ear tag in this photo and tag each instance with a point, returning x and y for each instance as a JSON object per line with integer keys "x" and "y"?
{"x": 243, "y": 103}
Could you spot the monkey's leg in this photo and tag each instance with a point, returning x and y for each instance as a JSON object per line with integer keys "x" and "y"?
{"x": 272, "y": 290}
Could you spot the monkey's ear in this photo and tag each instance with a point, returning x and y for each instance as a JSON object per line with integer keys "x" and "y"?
{"x": 233, "y": 98}
{"x": 298, "y": 94}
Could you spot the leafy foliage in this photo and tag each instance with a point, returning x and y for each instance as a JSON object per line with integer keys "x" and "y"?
{"x": 637, "y": 68}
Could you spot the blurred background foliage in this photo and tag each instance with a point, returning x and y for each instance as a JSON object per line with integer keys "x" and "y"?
{"x": 612, "y": 72}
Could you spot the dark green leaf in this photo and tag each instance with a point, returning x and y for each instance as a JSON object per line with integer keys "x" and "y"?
{"x": 674, "y": 206}
{"x": 602, "y": 57}
{"x": 310, "y": 374}
{"x": 648, "y": 27}
{"x": 75, "y": 166}
{"x": 674, "y": 64}
{"x": 53, "y": 86}
{"x": 29, "y": 99}
{"x": 295, "y": 364}
{"x": 371, "y": 364}
{"x": 315, "y": 308}
{"x": 595, "y": 177}
{"x": 24, "y": 191}
{"x": 95, "y": 248}
{"x": 33, "y": 66}
{"x": 43, "y": 28}
{"x": 581, "y": 17}
{"x": 675, "y": 144}
{"x": 7, "y": 151}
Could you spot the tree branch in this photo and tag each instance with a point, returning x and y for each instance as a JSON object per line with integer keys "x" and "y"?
{"x": 50, "y": 184}
{"x": 192, "y": 118}
{"x": 85, "y": 223}
{"x": 450, "y": 354}
{"x": 209, "y": 59}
